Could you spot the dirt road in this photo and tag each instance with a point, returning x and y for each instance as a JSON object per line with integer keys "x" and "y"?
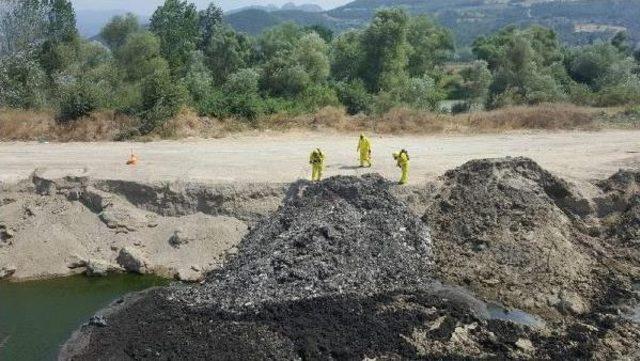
{"x": 284, "y": 157}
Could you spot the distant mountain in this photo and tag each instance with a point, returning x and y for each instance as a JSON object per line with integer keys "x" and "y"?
{"x": 254, "y": 21}
{"x": 90, "y": 22}
{"x": 309, "y": 8}
{"x": 577, "y": 21}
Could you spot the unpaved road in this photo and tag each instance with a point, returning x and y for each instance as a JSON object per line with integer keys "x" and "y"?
{"x": 284, "y": 157}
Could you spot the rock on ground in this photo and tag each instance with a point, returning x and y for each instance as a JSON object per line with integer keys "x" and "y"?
{"x": 132, "y": 260}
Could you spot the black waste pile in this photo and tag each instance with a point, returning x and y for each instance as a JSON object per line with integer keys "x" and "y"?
{"x": 344, "y": 235}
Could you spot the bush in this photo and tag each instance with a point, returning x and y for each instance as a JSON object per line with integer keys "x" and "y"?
{"x": 354, "y": 96}
{"x": 223, "y": 105}
{"x": 77, "y": 101}
{"x": 618, "y": 94}
{"x": 461, "y": 107}
{"x": 162, "y": 98}
{"x": 23, "y": 82}
{"x": 244, "y": 81}
{"x": 317, "y": 97}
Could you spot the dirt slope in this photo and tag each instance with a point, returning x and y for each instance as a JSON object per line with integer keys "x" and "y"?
{"x": 52, "y": 228}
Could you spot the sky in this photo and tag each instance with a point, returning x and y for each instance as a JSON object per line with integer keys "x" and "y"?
{"x": 148, "y": 6}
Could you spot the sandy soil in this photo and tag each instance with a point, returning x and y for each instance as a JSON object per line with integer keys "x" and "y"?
{"x": 283, "y": 157}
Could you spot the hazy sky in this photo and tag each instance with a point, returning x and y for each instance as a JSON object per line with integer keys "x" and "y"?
{"x": 147, "y": 6}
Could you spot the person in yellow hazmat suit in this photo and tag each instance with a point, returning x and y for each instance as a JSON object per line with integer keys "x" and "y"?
{"x": 317, "y": 164}
{"x": 402, "y": 159}
{"x": 364, "y": 147}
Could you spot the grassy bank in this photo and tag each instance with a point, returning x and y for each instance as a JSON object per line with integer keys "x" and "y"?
{"x": 21, "y": 125}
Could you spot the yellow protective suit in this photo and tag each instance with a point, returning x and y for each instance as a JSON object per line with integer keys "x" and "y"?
{"x": 402, "y": 159}
{"x": 364, "y": 147}
{"x": 317, "y": 164}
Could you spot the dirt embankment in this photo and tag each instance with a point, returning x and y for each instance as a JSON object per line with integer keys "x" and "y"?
{"x": 344, "y": 271}
{"x": 51, "y": 228}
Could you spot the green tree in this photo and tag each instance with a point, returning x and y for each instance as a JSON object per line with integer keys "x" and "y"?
{"x": 116, "y": 32}
{"x": 526, "y": 66}
{"x": 385, "y": 47}
{"x": 621, "y": 42}
{"x": 278, "y": 39}
{"x": 355, "y": 97}
{"x": 226, "y": 52}
{"x": 312, "y": 53}
{"x": 325, "y": 33}
{"x": 23, "y": 82}
{"x": 589, "y": 64}
{"x": 140, "y": 56}
{"x": 161, "y": 100}
{"x": 347, "y": 56}
{"x": 284, "y": 77}
{"x": 77, "y": 100}
{"x": 62, "y": 21}
{"x": 197, "y": 80}
{"x": 23, "y": 25}
{"x": 293, "y": 60}
{"x": 210, "y": 21}
{"x": 62, "y": 42}
{"x": 430, "y": 45}
{"x": 244, "y": 81}
{"x": 177, "y": 25}
{"x": 476, "y": 79}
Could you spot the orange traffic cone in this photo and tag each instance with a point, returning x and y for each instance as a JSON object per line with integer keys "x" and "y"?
{"x": 133, "y": 159}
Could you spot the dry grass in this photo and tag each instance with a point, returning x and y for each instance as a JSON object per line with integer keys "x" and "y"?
{"x": 544, "y": 117}
{"x": 106, "y": 125}
{"x": 41, "y": 126}
{"x": 403, "y": 120}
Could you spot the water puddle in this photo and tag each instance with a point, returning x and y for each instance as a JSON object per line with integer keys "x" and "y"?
{"x": 499, "y": 312}
{"x": 36, "y": 318}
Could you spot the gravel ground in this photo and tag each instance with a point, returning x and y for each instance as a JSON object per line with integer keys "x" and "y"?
{"x": 283, "y": 158}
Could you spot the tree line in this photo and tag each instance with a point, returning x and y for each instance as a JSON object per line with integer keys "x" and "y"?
{"x": 187, "y": 57}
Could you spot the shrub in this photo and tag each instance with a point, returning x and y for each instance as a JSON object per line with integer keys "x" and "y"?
{"x": 316, "y": 97}
{"x": 22, "y": 82}
{"x": 244, "y": 81}
{"x": 77, "y": 101}
{"x": 460, "y": 107}
{"x": 162, "y": 98}
{"x": 354, "y": 96}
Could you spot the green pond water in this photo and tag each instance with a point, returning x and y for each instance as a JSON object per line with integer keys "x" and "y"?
{"x": 37, "y": 317}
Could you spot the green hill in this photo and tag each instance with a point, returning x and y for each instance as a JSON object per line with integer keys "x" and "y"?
{"x": 577, "y": 21}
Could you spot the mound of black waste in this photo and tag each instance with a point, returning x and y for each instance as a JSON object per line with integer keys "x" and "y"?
{"x": 510, "y": 224}
{"x": 343, "y": 235}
